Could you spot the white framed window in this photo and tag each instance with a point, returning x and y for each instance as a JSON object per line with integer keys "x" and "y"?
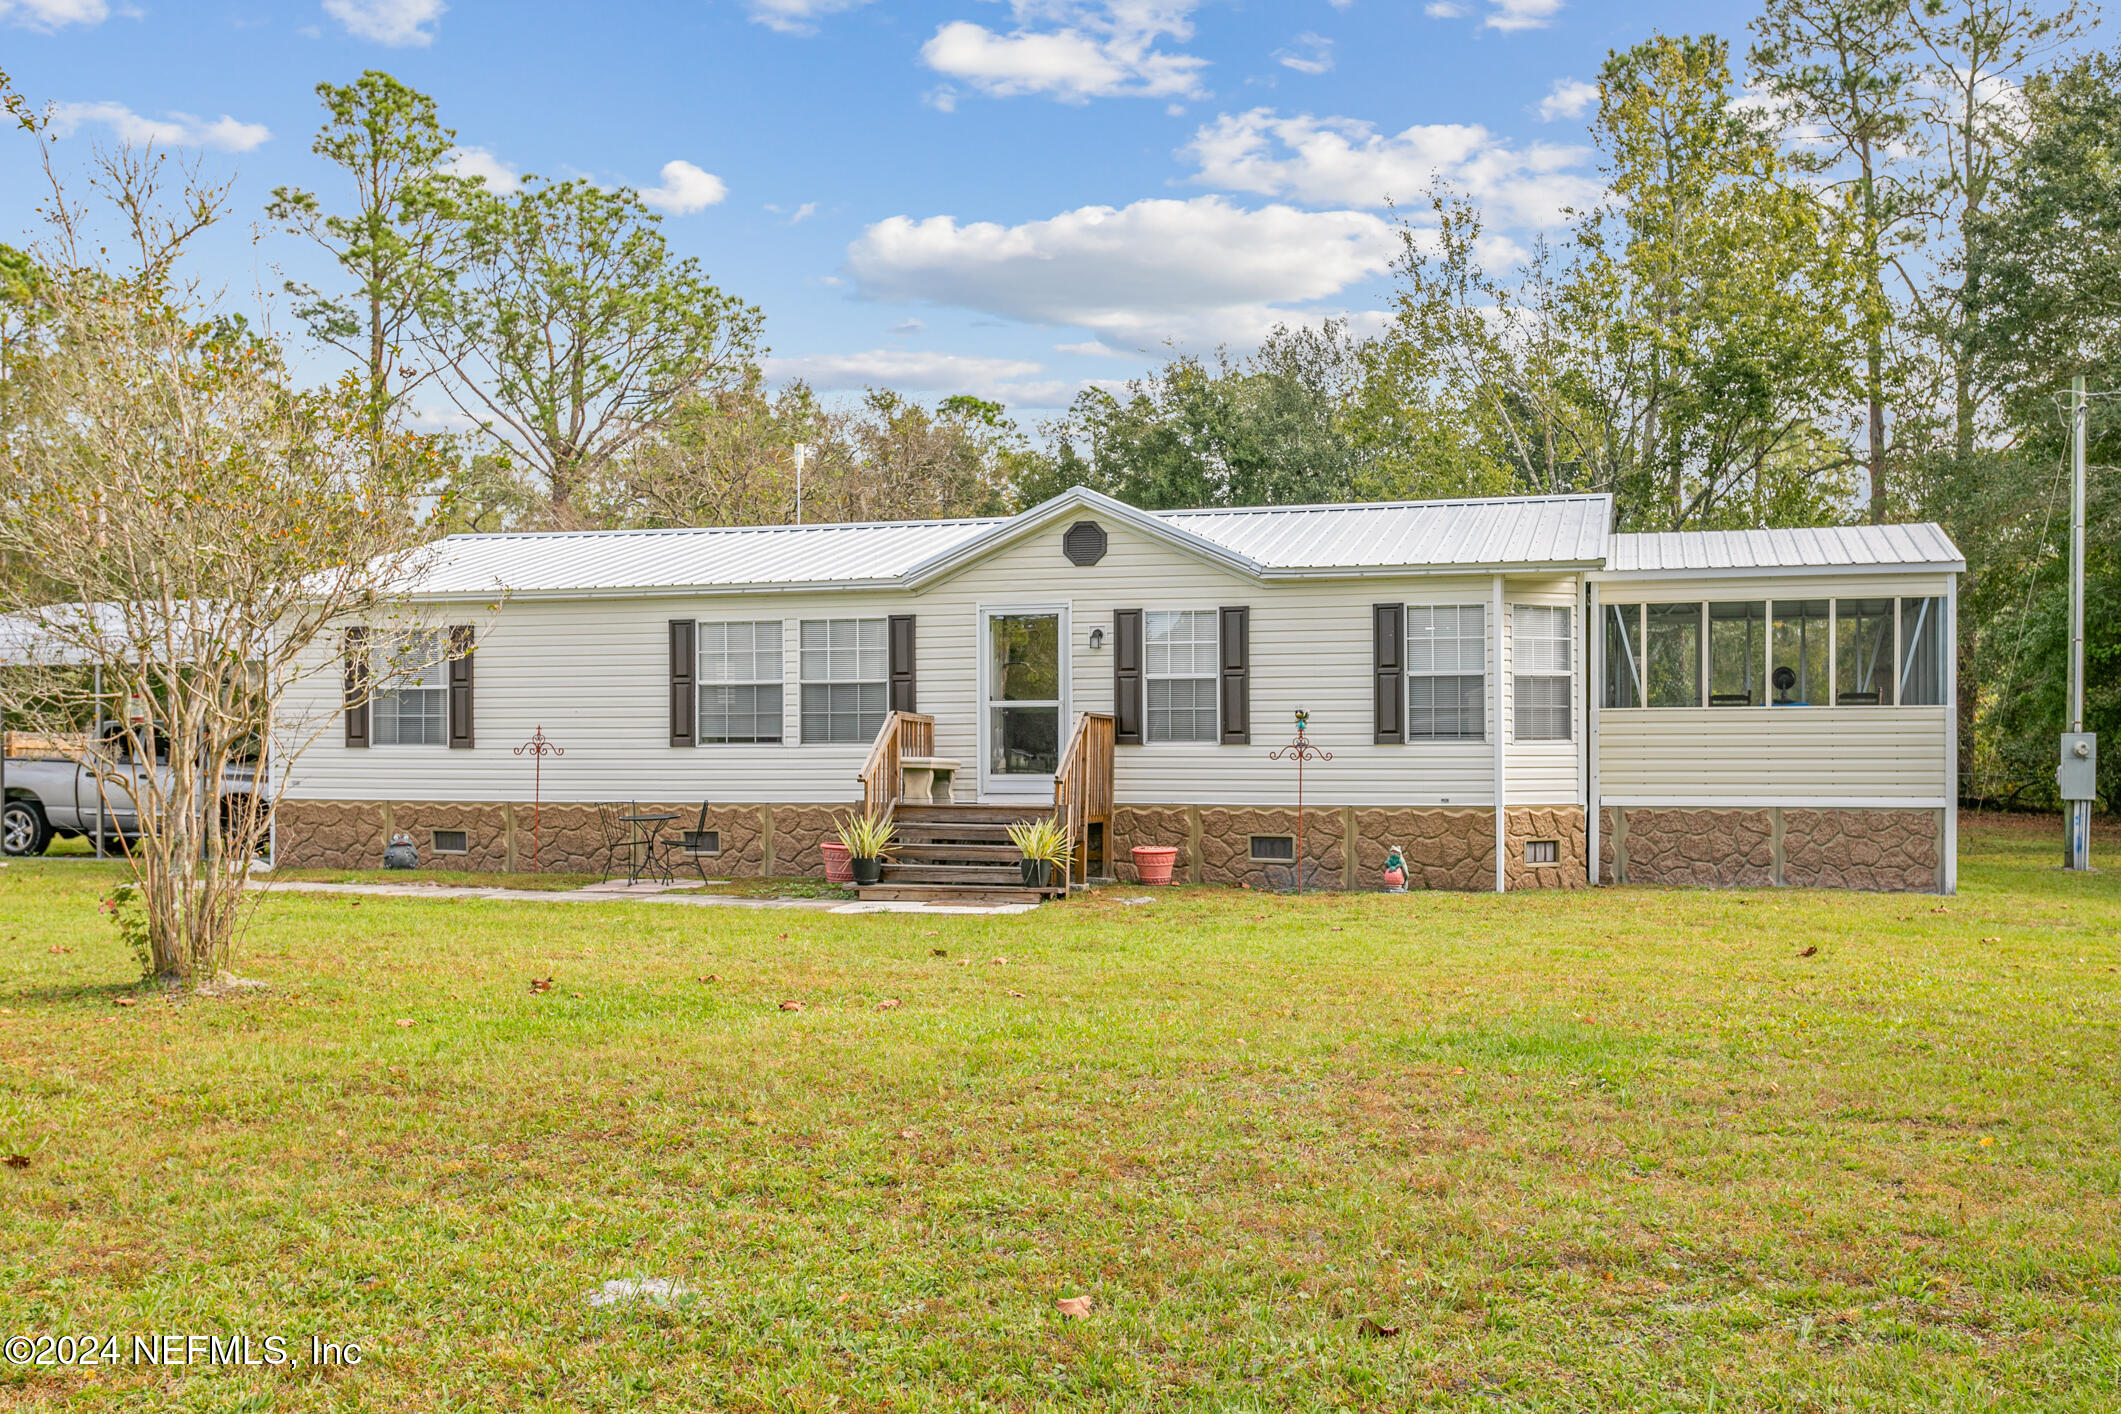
{"x": 846, "y": 679}
{"x": 1542, "y": 669}
{"x": 1179, "y": 664}
{"x": 740, "y": 681}
{"x": 1447, "y": 672}
{"x": 414, "y": 709}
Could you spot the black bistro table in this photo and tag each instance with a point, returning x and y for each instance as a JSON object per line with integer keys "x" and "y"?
{"x": 641, "y": 848}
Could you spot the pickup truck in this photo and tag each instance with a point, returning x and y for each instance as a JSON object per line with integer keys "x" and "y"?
{"x": 51, "y": 795}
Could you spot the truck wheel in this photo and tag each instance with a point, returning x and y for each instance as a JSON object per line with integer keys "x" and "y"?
{"x": 23, "y": 829}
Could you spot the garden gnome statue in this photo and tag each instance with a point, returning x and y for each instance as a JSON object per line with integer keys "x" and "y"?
{"x": 1395, "y": 871}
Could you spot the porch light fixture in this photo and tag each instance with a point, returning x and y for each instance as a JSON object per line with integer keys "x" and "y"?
{"x": 1097, "y": 639}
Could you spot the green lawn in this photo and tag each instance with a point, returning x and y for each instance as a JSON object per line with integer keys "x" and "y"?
{"x": 1631, "y": 1150}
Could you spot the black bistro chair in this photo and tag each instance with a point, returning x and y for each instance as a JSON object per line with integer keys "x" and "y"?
{"x": 618, "y": 836}
{"x": 694, "y": 846}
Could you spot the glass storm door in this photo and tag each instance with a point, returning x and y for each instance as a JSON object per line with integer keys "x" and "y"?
{"x": 1026, "y": 691}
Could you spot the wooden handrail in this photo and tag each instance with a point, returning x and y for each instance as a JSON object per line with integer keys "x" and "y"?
{"x": 1082, "y": 790}
{"x": 903, "y": 734}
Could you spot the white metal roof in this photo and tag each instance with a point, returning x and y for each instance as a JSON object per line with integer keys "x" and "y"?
{"x": 1839, "y": 547}
{"x": 1429, "y": 535}
{"x": 1268, "y": 542}
{"x": 1272, "y": 541}
{"x": 774, "y": 556}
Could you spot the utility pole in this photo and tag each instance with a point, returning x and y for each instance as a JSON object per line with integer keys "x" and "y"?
{"x": 2077, "y": 776}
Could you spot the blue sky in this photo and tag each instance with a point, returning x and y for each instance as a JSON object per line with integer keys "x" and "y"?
{"x": 1004, "y": 197}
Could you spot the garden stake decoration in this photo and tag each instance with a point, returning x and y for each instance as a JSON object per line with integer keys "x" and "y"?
{"x": 538, "y": 748}
{"x": 1300, "y": 751}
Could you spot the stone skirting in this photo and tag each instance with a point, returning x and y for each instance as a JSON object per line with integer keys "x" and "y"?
{"x": 1811, "y": 847}
{"x": 1344, "y": 847}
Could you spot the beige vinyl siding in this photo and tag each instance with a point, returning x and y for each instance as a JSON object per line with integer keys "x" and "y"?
{"x": 1773, "y": 755}
{"x": 1767, "y": 754}
{"x": 594, "y": 674}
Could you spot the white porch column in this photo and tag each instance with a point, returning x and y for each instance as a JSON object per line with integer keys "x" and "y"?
{"x": 1594, "y": 695}
{"x": 1502, "y": 832}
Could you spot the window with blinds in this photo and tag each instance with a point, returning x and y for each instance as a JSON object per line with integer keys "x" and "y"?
{"x": 1179, "y": 666}
{"x": 740, "y": 681}
{"x": 413, "y": 710}
{"x": 1447, "y": 664}
{"x": 1542, "y": 669}
{"x": 846, "y": 680}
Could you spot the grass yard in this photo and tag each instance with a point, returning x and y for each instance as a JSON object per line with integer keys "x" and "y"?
{"x": 1632, "y": 1150}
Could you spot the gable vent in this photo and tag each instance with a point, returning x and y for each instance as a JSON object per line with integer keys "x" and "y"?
{"x": 1084, "y": 543}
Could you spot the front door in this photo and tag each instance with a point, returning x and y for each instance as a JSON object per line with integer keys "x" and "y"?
{"x": 1025, "y": 690}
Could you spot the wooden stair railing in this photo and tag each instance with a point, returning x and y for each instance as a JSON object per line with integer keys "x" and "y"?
{"x": 903, "y": 734}
{"x": 1082, "y": 792}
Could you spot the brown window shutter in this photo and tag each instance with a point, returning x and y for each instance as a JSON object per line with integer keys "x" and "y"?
{"x": 1127, "y": 677}
{"x": 901, "y": 652}
{"x": 1236, "y": 635}
{"x": 1388, "y": 667}
{"x": 684, "y": 682}
{"x": 461, "y": 647}
{"x": 356, "y": 702}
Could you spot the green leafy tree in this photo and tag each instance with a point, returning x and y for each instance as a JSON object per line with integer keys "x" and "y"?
{"x": 1845, "y": 76}
{"x": 571, "y": 331}
{"x": 1727, "y": 295}
{"x": 392, "y": 242}
{"x": 1263, "y": 430}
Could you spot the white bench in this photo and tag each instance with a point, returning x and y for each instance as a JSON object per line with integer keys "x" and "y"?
{"x": 927, "y": 780}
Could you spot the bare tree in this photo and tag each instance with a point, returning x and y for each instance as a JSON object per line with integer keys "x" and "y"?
{"x": 199, "y": 527}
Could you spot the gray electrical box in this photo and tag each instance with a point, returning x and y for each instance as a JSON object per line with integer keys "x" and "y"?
{"x": 2077, "y": 778}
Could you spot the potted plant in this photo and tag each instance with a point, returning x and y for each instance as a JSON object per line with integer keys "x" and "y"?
{"x": 839, "y": 862}
{"x": 868, "y": 839}
{"x": 1044, "y": 846}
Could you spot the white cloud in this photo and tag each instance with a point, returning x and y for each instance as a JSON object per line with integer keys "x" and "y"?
{"x": 1093, "y": 49}
{"x": 1504, "y": 15}
{"x": 1193, "y": 272}
{"x": 1347, "y": 162}
{"x": 1307, "y": 54}
{"x": 399, "y": 23}
{"x": 1568, "y": 98}
{"x": 1509, "y": 15}
{"x": 685, "y": 189}
{"x": 501, "y": 179}
{"x": 170, "y": 130}
{"x": 1091, "y": 348}
{"x": 51, "y": 14}
{"x": 798, "y": 16}
{"x": 1003, "y": 380}
{"x": 803, "y": 213}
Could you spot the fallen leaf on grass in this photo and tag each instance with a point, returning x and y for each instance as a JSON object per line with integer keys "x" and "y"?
{"x": 578, "y": 995}
{"x": 128, "y": 1001}
{"x": 1812, "y": 951}
{"x": 1940, "y": 908}
{"x": 712, "y": 977}
{"x": 55, "y": 949}
{"x": 16, "y": 1161}
{"x": 964, "y": 962}
{"x": 1000, "y": 961}
{"x": 1014, "y": 993}
{"x": 888, "y": 1004}
{"x": 1374, "y": 1331}
{"x": 540, "y": 984}
{"x": 791, "y": 1006}
{"x": 932, "y": 933}
{"x": 1077, "y": 1306}
{"x": 938, "y": 952}
{"x": 404, "y": 1021}
{"x": 1992, "y": 940}
{"x": 909, "y": 1134}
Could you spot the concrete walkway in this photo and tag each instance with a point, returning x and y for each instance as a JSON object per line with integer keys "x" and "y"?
{"x": 686, "y": 895}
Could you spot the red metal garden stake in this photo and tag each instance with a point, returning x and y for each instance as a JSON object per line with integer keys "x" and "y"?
{"x": 1300, "y": 751}
{"x": 539, "y": 748}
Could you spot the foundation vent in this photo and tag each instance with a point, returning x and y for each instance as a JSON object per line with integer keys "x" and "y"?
{"x": 1274, "y": 849}
{"x": 1542, "y": 852}
{"x": 452, "y": 842}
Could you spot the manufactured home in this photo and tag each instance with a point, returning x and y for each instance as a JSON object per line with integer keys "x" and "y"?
{"x": 1507, "y": 690}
